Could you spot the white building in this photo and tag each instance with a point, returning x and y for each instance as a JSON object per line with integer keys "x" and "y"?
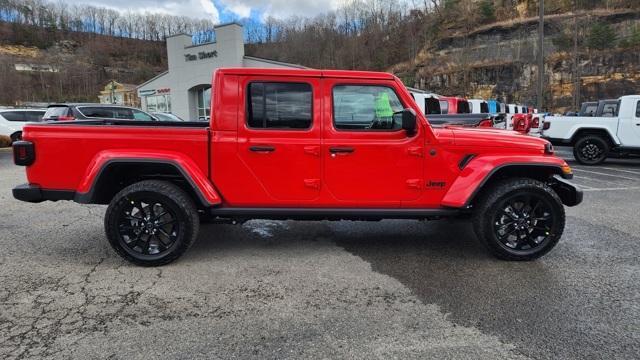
{"x": 185, "y": 88}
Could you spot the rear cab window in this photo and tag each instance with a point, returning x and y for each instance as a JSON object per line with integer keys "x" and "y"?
{"x": 54, "y": 112}
{"x": 279, "y": 105}
{"x": 366, "y": 107}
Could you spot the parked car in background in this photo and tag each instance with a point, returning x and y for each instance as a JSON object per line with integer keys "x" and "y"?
{"x": 166, "y": 116}
{"x": 12, "y": 121}
{"x": 427, "y": 102}
{"x": 87, "y": 111}
{"x": 594, "y": 138}
{"x": 478, "y": 106}
{"x": 454, "y": 105}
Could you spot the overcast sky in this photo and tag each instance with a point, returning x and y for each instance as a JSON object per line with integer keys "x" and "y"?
{"x": 221, "y": 10}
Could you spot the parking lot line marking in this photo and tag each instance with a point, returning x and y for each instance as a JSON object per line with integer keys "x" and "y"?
{"x": 598, "y": 180}
{"x": 621, "y": 170}
{"x": 613, "y": 189}
{"x": 605, "y": 174}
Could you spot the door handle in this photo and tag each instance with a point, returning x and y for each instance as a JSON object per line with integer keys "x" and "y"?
{"x": 262, "y": 148}
{"x": 415, "y": 151}
{"x": 341, "y": 150}
{"x": 312, "y": 150}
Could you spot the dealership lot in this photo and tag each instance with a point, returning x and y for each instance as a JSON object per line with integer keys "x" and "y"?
{"x": 270, "y": 289}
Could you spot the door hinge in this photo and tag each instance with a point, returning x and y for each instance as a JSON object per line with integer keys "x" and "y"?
{"x": 415, "y": 150}
{"x": 312, "y": 183}
{"x": 414, "y": 183}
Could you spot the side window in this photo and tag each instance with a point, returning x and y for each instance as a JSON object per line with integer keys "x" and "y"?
{"x": 464, "y": 107}
{"x": 444, "y": 106}
{"x": 638, "y": 109}
{"x": 365, "y": 107}
{"x": 96, "y": 112}
{"x": 122, "y": 113}
{"x": 139, "y": 115}
{"x": 14, "y": 116}
{"x": 484, "y": 107}
{"x": 279, "y": 105}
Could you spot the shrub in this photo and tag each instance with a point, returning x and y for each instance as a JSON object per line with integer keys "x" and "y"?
{"x": 601, "y": 36}
{"x": 487, "y": 11}
{"x": 5, "y": 141}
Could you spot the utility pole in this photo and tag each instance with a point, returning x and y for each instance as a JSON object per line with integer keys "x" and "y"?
{"x": 541, "y": 56}
{"x": 576, "y": 59}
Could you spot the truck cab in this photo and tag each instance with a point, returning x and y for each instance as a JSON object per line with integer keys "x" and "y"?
{"x": 301, "y": 145}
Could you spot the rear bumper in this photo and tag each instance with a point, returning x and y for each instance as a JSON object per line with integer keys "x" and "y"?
{"x": 35, "y": 194}
{"x": 570, "y": 194}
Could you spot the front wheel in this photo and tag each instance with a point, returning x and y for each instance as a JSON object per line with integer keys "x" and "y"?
{"x": 151, "y": 223}
{"x": 591, "y": 150}
{"x": 519, "y": 219}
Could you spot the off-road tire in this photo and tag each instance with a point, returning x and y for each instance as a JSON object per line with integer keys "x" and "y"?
{"x": 162, "y": 194}
{"x": 585, "y": 147}
{"x": 490, "y": 205}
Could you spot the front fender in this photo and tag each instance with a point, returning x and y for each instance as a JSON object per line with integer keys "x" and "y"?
{"x": 193, "y": 174}
{"x": 480, "y": 169}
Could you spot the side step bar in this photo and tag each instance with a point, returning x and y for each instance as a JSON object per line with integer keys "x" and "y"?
{"x": 330, "y": 213}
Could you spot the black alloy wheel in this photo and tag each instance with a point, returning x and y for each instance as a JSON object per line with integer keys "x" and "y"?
{"x": 147, "y": 227}
{"x": 591, "y": 150}
{"x": 524, "y": 222}
{"x": 519, "y": 219}
{"x": 151, "y": 222}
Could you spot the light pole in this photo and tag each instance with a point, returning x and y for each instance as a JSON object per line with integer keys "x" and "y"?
{"x": 540, "y": 55}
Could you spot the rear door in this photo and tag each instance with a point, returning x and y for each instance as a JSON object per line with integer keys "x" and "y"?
{"x": 279, "y": 137}
{"x": 369, "y": 161}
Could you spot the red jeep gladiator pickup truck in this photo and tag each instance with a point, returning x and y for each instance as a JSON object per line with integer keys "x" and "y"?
{"x": 298, "y": 144}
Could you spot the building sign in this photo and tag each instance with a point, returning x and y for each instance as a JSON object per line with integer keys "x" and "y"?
{"x": 151, "y": 92}
{"x": 201, "y": 55}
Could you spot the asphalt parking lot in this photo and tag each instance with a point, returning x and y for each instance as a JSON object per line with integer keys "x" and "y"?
{"x": 267, "y": 289}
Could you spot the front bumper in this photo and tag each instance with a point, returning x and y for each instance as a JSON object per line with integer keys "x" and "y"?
{"x": 570, "y": 194}
{"x": 35, "y": 194}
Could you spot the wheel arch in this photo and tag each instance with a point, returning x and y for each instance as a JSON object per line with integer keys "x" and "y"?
{"x": 466, "y": 189}
{"x": 115, "y": 174}
{"x": 604, "y": 132}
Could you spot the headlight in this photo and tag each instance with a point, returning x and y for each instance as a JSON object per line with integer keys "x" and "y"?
{"x": 548, "y": 148}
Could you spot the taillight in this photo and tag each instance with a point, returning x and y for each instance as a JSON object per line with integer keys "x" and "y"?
{"x": 486, "y": 123}
{"x": 24, "y": 153}
{"x": 521, "y": 125}
{"x": 66, "y": 118}
{"x": 536, "y": 123}
{"x": 546, "y": 125}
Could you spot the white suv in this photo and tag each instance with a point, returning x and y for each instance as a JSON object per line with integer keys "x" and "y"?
{"x": 12, "y": 121}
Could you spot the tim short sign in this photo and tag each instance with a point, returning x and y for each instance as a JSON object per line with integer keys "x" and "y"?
{"x": 153, "y": 92}
{"x": 201, "y": 55}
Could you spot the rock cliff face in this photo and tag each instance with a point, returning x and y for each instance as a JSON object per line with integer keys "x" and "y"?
{"x": 499, "y": 61}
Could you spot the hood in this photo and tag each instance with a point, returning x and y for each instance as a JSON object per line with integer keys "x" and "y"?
{"x": 495, "y": 138}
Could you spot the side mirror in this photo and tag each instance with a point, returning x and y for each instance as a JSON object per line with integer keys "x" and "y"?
{"x": 409, "y": 122}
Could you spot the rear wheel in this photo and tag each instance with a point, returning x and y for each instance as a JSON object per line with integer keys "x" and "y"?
{"x": 591, "y": 150}
{"x": 519, "y": 219}
{"x": 151, "y": 223}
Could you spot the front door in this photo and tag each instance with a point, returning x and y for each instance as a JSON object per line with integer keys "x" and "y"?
{"x": 279, "y": 138}
{"x": 369, "y": 161}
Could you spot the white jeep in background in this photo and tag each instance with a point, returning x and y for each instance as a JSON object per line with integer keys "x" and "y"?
{"x": 595, "y": 138}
